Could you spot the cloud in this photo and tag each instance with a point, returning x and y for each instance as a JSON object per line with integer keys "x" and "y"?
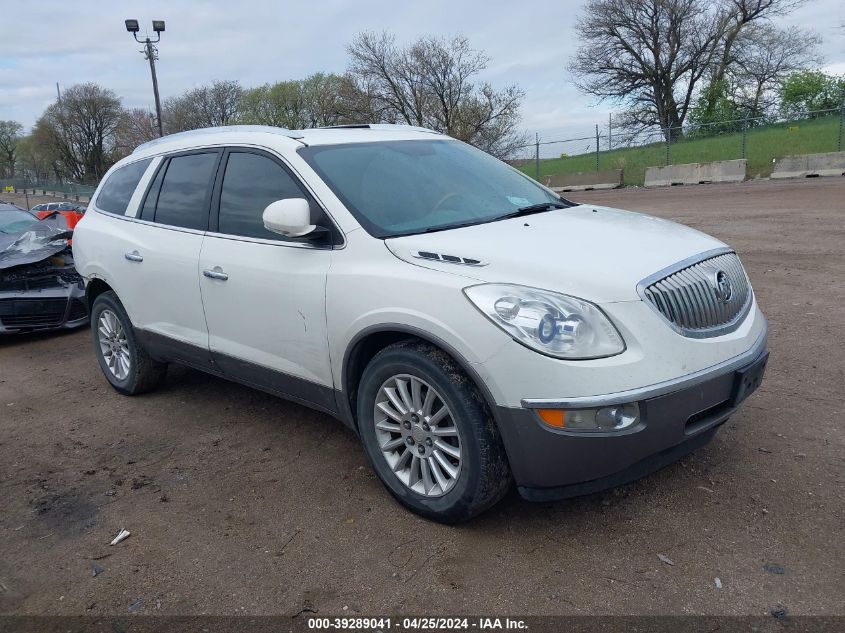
{"x": 258, "y": 41}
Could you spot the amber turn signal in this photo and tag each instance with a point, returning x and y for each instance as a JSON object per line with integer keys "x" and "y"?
{"x": 617, "y": 417}
{"x": 553, "y": 417}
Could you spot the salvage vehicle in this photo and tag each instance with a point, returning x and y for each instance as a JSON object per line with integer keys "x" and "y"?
{"x": 71, "y": 213}
{"x": 473, "y": 327}
{"x": 39, "y": 286}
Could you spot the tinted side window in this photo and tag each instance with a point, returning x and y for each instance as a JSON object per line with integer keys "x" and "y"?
{"x": 183, "y": 199}
{"x": 118, "y": 189}
{"x": 250, "y": 183}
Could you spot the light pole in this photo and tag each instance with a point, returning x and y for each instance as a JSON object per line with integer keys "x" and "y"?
{"x": 150, "y": 53}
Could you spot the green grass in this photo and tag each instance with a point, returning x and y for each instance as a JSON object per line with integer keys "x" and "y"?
{"x": 762, "y": 145}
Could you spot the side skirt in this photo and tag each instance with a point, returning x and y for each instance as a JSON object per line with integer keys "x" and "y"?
{"x": 293, "y": 388}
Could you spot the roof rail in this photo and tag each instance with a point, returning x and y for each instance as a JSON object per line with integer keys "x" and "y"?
{"x": 380, "y": 126}
{"x": 269, "y": 129}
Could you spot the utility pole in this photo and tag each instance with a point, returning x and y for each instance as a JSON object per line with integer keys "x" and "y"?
{"x": 610, "y": 131}
{"x": 744, "y": 135}
{"x": 841, "y": 121}
{"x": 537, "y": 156}
{"x": 597, "y": 147}
{"x": 151, "y": 54}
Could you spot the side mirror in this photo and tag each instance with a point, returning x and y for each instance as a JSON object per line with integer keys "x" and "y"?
{"x": 290, "y": 217}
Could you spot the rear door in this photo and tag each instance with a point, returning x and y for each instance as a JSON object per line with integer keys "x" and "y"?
{"x": 264, "y": 295}
{"x": 159, "y": 261}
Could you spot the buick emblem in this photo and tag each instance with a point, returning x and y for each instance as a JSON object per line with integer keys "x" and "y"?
{"x": 724, "y": 289}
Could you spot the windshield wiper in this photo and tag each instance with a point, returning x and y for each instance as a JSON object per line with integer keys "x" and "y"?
{"x": 533, "y": 208}
{"x": 457, "y": 225}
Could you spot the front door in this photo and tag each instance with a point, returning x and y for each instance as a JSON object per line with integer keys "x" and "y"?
{"x": 264, "y": 295}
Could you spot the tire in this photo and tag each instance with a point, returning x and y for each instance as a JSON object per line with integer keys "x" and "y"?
{"x": 139, "y": 373}
{"x": 482, "y": 472}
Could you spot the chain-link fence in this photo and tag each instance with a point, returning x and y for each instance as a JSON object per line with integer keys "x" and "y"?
{"x": 759, "y": 140}
{"x": 40, "y": 187}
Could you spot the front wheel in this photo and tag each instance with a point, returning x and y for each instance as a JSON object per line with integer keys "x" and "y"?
{"x": 429, "y": 435}
{"x": 125, "y": 364}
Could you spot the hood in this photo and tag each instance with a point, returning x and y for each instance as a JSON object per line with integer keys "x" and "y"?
{"x": 596, "y": 253}
{"x": 36, "y": 243}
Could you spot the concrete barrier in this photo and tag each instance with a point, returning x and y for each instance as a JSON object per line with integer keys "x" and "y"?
{"x": 696, "y": 173}
{"x": 810, "y": 165}
{"x": 585, "y": 181}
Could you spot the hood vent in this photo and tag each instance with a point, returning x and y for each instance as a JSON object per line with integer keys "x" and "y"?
{"x": 449, "y": 259}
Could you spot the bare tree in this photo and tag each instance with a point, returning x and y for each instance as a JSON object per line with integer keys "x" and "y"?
{"x": 431, "y": 84}
{"x": 763, "y": 56}
{"x": 136, "y": 126}
{"x": 179, "y": 114}
{"x": 652, "y": 54}
{"x": 741, "y": 13}
{"x": 388, "y": 75}
{"x": 488, "y": 121}
{"x": 361, "y": 101}
{"x": 206, "y": 106}
{"x": 80, "y": 130}
{"x": 10, "y": 132}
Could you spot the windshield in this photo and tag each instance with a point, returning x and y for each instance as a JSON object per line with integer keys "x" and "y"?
{"x": 15, "y": 220}
{"x": 404, "y": 187}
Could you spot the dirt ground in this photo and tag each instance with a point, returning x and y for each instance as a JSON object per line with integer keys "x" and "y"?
{"x": 241, "y": 503}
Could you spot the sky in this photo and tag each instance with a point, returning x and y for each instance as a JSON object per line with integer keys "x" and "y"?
{"x": 259, "y": 41}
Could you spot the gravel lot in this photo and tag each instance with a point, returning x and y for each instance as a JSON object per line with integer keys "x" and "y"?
{"x": 242, "y": 503}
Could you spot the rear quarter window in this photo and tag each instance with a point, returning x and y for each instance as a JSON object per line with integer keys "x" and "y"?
{"x": 116, "y": 192}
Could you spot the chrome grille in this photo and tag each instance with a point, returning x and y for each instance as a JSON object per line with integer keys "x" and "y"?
{"x": 694, "y": 297}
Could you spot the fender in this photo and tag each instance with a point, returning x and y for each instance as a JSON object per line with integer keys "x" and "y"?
{"x": 344, "y": 395}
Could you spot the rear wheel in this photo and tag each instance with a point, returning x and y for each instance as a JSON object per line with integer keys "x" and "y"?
{"x": 125, "y": 364}
{"x": 429, "y": 435}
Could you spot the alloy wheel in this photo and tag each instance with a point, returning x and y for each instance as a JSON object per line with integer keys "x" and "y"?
{"x": 113, "y": 344}
{"x": 417, "y": 435}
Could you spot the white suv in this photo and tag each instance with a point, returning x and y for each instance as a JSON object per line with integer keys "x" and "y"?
{"x": 470, "y": 325}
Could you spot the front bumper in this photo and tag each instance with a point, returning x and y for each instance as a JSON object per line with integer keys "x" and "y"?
{"x": 46, "y": 309}
{"x": 676, "y": 417}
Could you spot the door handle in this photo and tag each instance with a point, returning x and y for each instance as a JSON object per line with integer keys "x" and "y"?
{"x": 216, "y": 273}
{"x": 134, "y": 256}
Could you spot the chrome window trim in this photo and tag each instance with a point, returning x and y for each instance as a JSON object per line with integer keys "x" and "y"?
{"x": 168, "y": 227}
{"x": 658, "y": 389}
{"x": 725, "y": 328}
{"x": 238, "y": 238}
{"x": 272, "y": 242}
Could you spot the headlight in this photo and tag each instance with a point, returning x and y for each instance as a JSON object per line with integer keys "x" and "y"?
{"x": 551, "y": 323}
